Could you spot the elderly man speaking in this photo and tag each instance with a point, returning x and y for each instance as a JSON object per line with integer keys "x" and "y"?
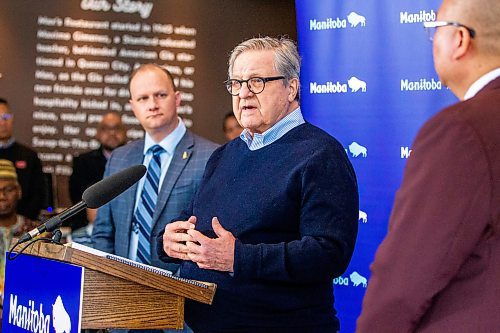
{"x": 275, "y": 217}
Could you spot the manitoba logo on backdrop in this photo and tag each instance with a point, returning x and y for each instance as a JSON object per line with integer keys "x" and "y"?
{"x": 419, "y": 17}
{"x": 422, "y": 84}
{"x": 354, "y": 19}
{"x": 363, "y": 217}
{"x": 357, "y": 150}
{"x": 405, "y": 152}
{"x": 353, "y": 83}
{"x": 356, "y": 279}
{"x": 356, "y": 84}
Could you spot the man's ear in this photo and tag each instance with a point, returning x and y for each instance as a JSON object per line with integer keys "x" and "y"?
{"x": 19, "y": 193}
{"x": 462, "y": 41}
{"x": 177, "y": 98}
{"x": 294, "y": 89}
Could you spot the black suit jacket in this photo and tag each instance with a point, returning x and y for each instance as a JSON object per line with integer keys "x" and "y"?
{"x": 88, "y": 169}
{"x": 30, "y": 177}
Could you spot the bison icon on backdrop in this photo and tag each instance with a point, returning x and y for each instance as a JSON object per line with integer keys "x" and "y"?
{"x": 363, "y": 216}
{"x": 357, "y": 279}
{"x": 356, "y": 149}
{"x": 355, "y": 84}
{"x": 354, "y": 19}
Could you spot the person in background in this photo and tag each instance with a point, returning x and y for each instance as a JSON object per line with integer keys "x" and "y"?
{"x": 11, "y": 224}
{"x": 231, "y": 127}
{"x": 88, "y": 168}
{"x": 275, "y": 218}
{"x": 438, "y": 269}
{"x": 27, "y": 164}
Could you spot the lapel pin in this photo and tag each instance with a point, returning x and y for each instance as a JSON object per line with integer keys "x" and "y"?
{"x": 185, "y": 155}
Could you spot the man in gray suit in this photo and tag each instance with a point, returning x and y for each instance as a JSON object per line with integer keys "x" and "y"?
{"x": 180, "y": 164}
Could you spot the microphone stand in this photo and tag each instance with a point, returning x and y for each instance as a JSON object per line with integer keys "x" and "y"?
{"x": 54, "y": 222}
{"x": 57, "y": 235}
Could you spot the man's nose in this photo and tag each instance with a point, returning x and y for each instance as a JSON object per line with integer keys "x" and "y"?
{"x": 245, "y": 91}
{"x": 153, "y": 103}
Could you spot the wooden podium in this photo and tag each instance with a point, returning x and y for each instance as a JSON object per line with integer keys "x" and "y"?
{"x": 117, "y": 295}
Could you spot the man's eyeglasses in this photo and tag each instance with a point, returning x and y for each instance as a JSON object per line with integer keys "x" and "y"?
{"x": 254, "y": 84}
{"x": 6, "y": 116}
{"x": 430, "y": 27}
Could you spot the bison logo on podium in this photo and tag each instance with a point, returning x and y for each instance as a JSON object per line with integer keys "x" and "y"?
{"x": 60, "y": 317}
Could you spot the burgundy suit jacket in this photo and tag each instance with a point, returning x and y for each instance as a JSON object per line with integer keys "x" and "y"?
{"x": 438, "y": 269}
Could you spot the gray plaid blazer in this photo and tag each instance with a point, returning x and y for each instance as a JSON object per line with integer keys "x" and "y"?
{"x": 113, "y": 223}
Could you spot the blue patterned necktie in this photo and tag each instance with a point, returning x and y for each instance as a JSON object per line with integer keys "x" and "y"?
{"x": 143, "y": 216}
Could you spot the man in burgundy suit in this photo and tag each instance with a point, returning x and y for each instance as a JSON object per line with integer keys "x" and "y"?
{"x": 438, "y": 269}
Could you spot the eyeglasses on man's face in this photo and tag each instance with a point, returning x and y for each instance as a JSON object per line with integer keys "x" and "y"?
{"x": 431, "y": 27}
{"x": 255, "y": 84}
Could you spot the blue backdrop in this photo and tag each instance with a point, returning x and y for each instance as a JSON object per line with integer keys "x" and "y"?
{"x": 368, "y": 79}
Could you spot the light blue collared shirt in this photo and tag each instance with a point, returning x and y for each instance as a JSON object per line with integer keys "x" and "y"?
{"x": 279, "y": 129}
{"x": 169, "y": 143}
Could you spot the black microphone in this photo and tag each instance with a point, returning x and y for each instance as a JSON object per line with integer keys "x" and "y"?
{"x": 94, "y": 197}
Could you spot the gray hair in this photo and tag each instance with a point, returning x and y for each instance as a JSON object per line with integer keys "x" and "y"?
{"x": 286, "y": 60}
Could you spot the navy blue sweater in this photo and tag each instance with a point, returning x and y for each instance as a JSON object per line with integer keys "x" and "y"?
{"x": 293, "y": 207}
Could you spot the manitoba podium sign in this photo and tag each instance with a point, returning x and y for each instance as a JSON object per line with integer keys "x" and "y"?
{"x": 42, "y": 295}
{"x": 92, "y": 291}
